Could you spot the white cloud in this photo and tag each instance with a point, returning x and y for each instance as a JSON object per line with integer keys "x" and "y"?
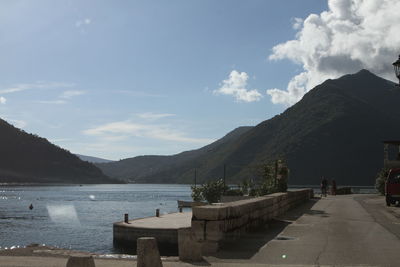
{"x": 71, "y": 93}
{"x": 54, "y": 102}
{"x": 154, "y": 116}
{"x": 137, "y": 93}
{"x": 124, "y": 129}
{"x": 3, "y": 100}
{"x": 83, "y": 22}
{"x": 17, "y": 123}
{"x": 236, "y": 85}
{"x": 351, "y": 35}
{"x": 36, "y": 85}
{"x": 63, "y": 98}
{"x": 297, "y": 23}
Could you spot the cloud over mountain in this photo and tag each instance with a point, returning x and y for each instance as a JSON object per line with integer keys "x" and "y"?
{"x": 236, "y": 85}
{"x": 351, "y": 35}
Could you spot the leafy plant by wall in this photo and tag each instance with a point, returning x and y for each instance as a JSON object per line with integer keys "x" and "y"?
{"x": 381, "y": 179}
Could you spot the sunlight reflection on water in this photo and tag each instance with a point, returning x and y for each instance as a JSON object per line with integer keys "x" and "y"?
{"x": 63, "y": 214}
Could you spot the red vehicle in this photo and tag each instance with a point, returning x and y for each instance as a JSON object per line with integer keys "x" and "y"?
{"x": 392, "y": 187}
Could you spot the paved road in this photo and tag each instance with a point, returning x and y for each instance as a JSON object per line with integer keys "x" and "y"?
{"x": 337, "y": 230}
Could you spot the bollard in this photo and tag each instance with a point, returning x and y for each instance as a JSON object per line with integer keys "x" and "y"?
{"x": 180, "y": 209}
{"x": 147, "y": 252}
{"x": 188, "y": 246}
{"x": 157, "y": 212}
{"x": 126, "y": 218}
{"x": 80, "y": 261}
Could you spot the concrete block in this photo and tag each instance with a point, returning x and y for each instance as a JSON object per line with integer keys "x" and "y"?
{"x": 198, "y": 229}
{"x": 215, "y": 230}
{"x": 211, "y": 212}
{"x": 189, "y": 248}
{"x": 147, "y": 252}
{"x": 209, "y": 247}
{"x": 80, "y": 261}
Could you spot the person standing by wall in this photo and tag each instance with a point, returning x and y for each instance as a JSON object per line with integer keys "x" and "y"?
{"x": 324, "y": 184}
{"x": 333, "y": 187}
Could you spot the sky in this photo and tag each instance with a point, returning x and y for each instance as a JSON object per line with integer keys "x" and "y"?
{"x": 117, "y": 79}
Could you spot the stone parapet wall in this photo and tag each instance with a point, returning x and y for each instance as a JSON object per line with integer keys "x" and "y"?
{"x": 343, "y": 191}
{"x": 225, "y": 199}
{"x": 213, "y": 224}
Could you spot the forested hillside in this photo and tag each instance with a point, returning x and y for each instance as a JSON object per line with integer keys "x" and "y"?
{"x": 29, "y": 158}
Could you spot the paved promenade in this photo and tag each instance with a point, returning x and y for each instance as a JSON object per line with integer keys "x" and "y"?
{"x": 338, "y": 230}
{"x": 351, "y": 230}
{"x": 167, "y": 221}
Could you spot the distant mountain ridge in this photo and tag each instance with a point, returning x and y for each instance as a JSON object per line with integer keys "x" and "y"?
{"x": 28, "y": 158}
{"x": 93, "y": 159}
{"x": 335, "y": 131}
{"x": 177, "y": 168}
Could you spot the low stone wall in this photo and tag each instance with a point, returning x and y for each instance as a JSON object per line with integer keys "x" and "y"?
{"x": 225, "y": 199}
{"x": 343, "y": 191}
{"x": 213, "y": 224}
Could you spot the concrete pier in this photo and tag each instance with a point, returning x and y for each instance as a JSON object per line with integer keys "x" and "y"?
{"x": 164, "y": 228}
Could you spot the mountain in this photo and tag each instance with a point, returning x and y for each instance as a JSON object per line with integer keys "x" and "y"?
{"x": 93, "y": 159}
{"x": 335, "y": 131}
{"x": 178, "y": 168}
{"x": 28, "y": 158}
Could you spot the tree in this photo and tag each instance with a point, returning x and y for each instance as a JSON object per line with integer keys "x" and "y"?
{"x": 274, "y": 178}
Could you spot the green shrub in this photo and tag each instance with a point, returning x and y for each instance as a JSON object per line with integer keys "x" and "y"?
{"x": 234, "y": 192}
{"x": 274, "y": 176}
{"x": 247, "y": 186}
{"x": 210, "y": 191}
{"x": 196, "y": 194}
{"x": 380, "y": 180}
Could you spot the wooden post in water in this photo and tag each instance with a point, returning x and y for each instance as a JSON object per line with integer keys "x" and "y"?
{"x": 126, "y": 218}
{"x": 157, "y": 212}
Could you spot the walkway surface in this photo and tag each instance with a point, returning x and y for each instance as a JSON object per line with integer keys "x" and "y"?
{"x": 352, "y": 230}
{"x": 338, "y": 230}
{"x": 167, "y": 221}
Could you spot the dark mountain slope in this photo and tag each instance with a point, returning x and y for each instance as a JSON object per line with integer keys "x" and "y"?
{"x": 28, "y": 158}
{"x": 336, "y": 130}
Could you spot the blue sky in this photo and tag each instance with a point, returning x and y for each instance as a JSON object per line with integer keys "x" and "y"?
{"x": 117, "y": 79}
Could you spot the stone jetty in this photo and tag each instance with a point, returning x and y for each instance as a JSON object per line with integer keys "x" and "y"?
{"x": 164, "y": 228}
{"x": 202, "y": 231}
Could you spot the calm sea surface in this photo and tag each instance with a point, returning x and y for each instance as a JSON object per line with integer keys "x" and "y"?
{"x": 79, "y": 217}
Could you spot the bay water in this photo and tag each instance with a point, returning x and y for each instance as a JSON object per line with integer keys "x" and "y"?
{"x": 79, "y": 217}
